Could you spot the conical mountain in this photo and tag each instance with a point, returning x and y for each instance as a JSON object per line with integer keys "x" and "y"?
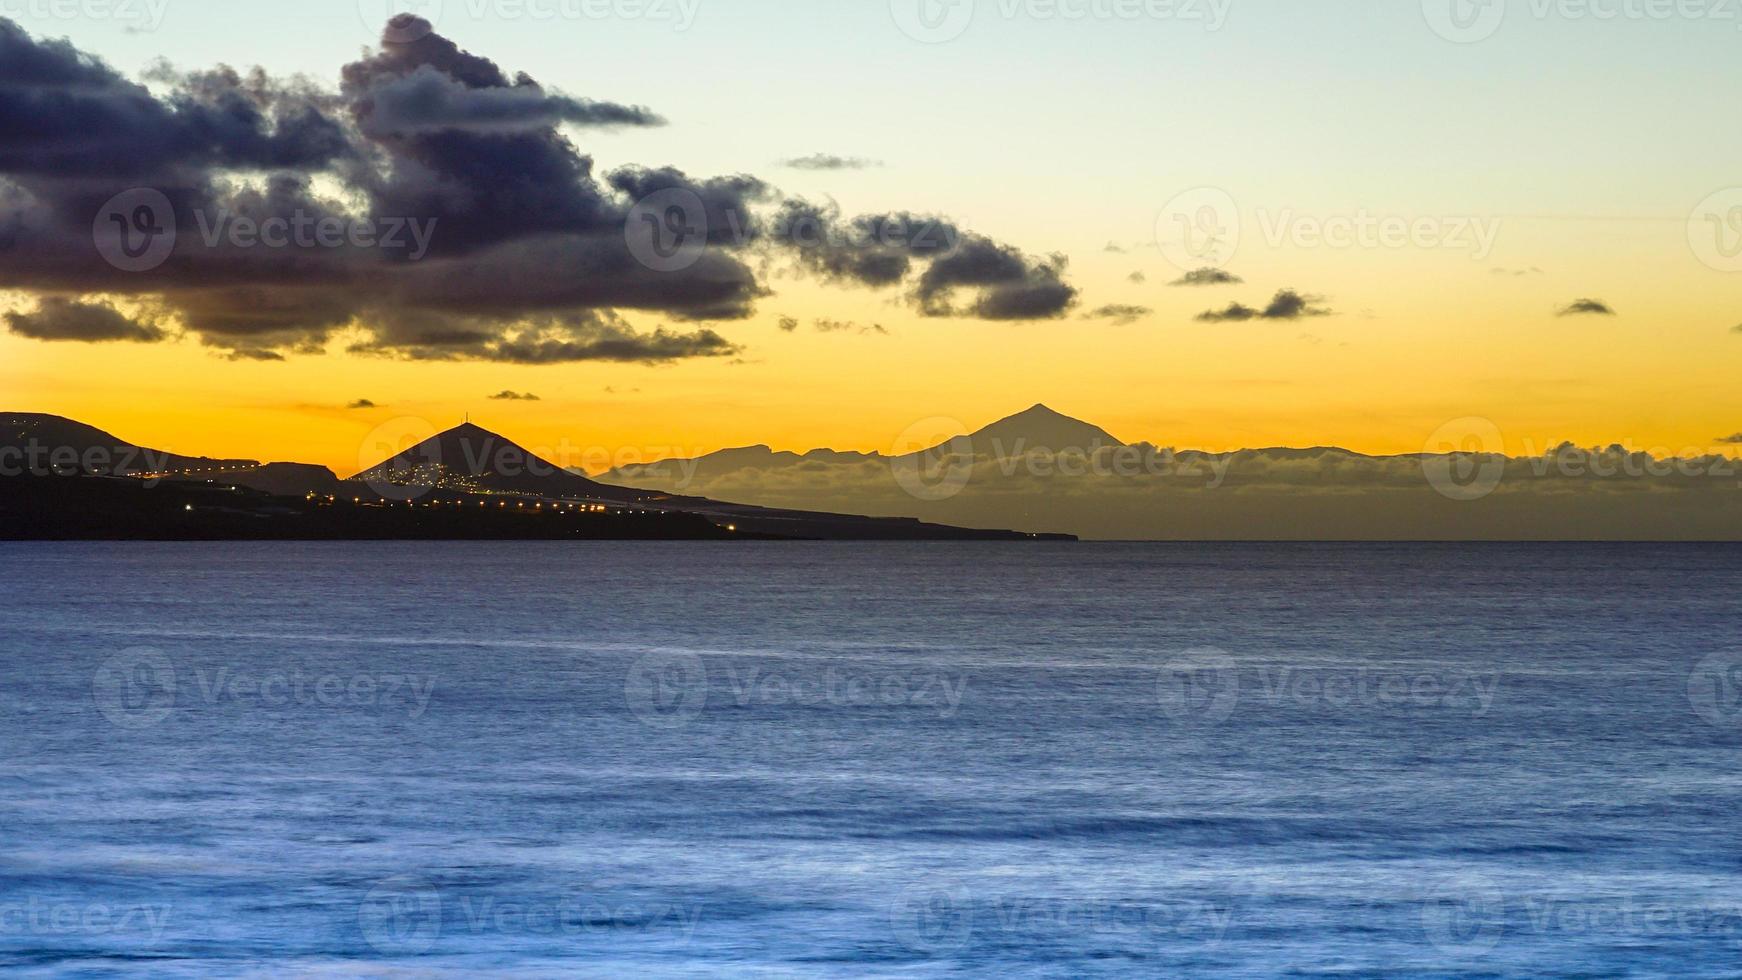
{"x": 471, "y": 459}
{"x": 1037, "y": 429}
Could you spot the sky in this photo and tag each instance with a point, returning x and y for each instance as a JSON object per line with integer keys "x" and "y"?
{"x": 1565, "y": 178}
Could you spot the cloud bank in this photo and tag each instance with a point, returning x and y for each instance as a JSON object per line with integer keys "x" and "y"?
{"x": 433, "y": 206}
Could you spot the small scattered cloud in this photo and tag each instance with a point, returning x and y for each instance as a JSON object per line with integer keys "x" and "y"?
{"x": 1287, "y": 305}
{"x": 515, "y": 396}
{"x": 1115, "y": 248}
{"x": 1737, "y": 328}
{"x": 1138, "y": 277}
{"x": 1120, "y": 313}
{"x": 828, "y": 161}
{"x": 1735, "y": 440}
{"x": 59, "y": 318}
{"x": 362, "y": 403}
{"x": 1586, "y": 307}
{"x": 1208, "y": 277}
{"x": 613, "y": 390}
{"x": 1527, "y": 271}
{"x": 789, "y": 323}
{"x": 847, "y": 326}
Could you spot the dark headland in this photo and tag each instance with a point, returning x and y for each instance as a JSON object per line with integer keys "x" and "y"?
{"x": 65, "y": 480}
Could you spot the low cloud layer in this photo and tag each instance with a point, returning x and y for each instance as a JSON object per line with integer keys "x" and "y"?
{"x": 828, "y": 161}
{"x": 1287, "y": 305}
{"x": 1586, "y": 307}
{"x": 59, "y": 318}
{"x": 514, "y": 396}
{"x": 432, "y": 206}
{"x": 1208, "y": 277}
{"x": 1120, "y": 313}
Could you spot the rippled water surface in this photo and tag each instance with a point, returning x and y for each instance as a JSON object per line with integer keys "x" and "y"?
{"x": 932, "y": 760}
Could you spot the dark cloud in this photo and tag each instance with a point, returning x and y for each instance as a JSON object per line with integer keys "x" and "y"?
{"x": 827, "y": 161}
{"x": 1208, "y": 277}
{"x": 789, "y": 323}
{"x": 1737, "y": 328}
{"x": 489, "y": 233}
{"x": 553, "y": 339}
{"x": 362, "y": 403}
{"x": 1119, "y": 313}
{"x": 1287, "y": 305}
{"x": 427, "y": 101}
{"x": 59, "y": 318}
{"x": 876, "y": 250}
{"x": 515, "y": 396}
{"x": 1012, "y": 286}
{"x": 1137, "y": 277}
{"x": 1735, "y": 440}
{"x": 1586, "y": 307}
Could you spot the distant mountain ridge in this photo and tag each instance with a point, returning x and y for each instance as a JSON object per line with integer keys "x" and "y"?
{"x": 24, "y": 431}
{"x": 1038, "y": 429}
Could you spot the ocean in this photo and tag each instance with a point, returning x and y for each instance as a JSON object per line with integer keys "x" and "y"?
{"x": 570, "y": 759}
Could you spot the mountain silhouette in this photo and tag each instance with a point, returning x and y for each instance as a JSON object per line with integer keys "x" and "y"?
{"x": 64, "y": 445}
{"x": 471, "y": 459}
{"x": 1037, "y": 429}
